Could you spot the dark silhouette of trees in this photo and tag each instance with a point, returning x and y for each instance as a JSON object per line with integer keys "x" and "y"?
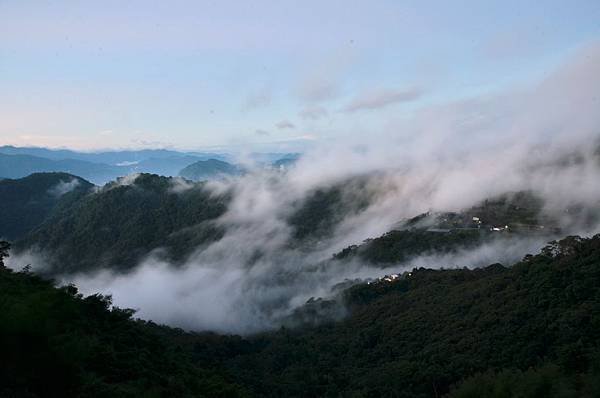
{"x": 4, "y": 249}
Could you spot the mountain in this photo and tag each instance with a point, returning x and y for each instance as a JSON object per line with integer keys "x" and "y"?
{"x": 57, "y": 343}
{"x": 286, "y": 162}
{"x": 127, "y": 219}
{"x": 209, "y": 170}
{"x": 138, "y": 156}
{"x": 106, "y": 157}
{"x": 526, "y": 330}
{"x": 316, "y": 216}
{"x": 426, "y": 331}
{"x": 18, "y": 166}
{"x": 267, "y": 158}
{"x": 27, "y": 202}
{"x": 102, "y": 167}
{"x": 164, "y": 166}
{"x": 508, "y": 217}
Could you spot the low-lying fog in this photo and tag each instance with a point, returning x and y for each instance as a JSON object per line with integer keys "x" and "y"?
{"x": 543, "y": 138}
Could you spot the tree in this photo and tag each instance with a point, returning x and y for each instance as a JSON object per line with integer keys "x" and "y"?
{"x": 4, "y": 248}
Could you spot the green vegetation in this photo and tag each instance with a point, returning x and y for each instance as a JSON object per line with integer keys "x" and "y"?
{"x": 400, "y": 246}
{"x": 27, "y": 202}
{"x": 57, "y": 343}
{"x": 529, "y": 330}
{"x": 518, "y": 208}
{"x": 422, "y": 334}
{"x": 119, "y": 225}
{"x": 444, "y": 233}
{"x": 208, "y": 170}
{"x": 317, "y": 215}
{"x": 546, "y": 381}
{"x": 124, "y": 221}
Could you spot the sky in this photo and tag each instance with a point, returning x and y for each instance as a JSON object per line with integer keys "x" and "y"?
{"x": 272, "y": 75}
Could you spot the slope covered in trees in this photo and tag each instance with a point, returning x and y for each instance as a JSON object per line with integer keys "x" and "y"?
{"x": 27, "y": 202}
{"x": 318, "y": 214}
{"x": 509, "y": 216}
{"x": 57, "y": 343}
{"x": 209, "y": 169}
{"x": 528, "y": 330}
{"x": 125, "y": 221}
{"x": 429, "y": 330}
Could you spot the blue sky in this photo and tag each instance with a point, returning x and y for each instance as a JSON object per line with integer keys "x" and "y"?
{"x": 280, "y": 74}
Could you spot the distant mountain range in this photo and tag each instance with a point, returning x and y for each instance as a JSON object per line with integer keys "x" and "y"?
{"x": 101, "y": 167}
{"x": 28, "y": 201}
{"x": 123, "y": 221}
{"x": 209, "y": 169}
{"x": 18, "y": 166}
{"x": 108, "y": 157}
{"x": 116, "y": 225}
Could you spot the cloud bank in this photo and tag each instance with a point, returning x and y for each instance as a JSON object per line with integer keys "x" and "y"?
{"x": 377, "y": 99}
{"x": 543, "y": 138}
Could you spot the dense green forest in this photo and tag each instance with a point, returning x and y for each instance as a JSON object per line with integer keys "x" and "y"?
{"x": 123, "y": 222}
{"x": 401, "y": 245}
{"x": 209, "y": 169}
{"x": 57, "y": 343}
{"x": 28, "y": 201}
{"x": 318, "y": 214}
{"x": 429, "y": 330}
{"x": 117, "y": 225}
{"x": 503, "y": 218}
{"x": 531, "y": 329}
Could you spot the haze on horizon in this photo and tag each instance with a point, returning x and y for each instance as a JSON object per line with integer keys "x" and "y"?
{"x": 265, "y": 75}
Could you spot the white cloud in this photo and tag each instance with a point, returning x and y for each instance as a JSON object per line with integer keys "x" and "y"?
{"x": 258, "y": 99}
{"x": 376, "y": 99}
{"x": 313, "y": 112}
{"x": 285, "y": 124}
{"x": 63, "y": 187}
{"x": 323, "y": 80}
{"x": 448, "y": 158}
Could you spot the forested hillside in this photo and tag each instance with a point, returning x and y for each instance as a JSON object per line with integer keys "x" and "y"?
{"x": 527, "y": 330}
{"x": 531, "y": 329}
{"x": 119, "y": 224}
{"x": 322, "y": 209}
{"x": 27, "y": 202}
{"x": 57, "y": 343}
{"x": 507, "y": 217}
{"x": 125, "y": 221}
{"x": 209, "y": 169}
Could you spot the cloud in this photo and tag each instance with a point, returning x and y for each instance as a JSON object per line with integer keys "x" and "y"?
{"x": 376, "y": 99}
{"x": 322, "y": 82}
{"x": 285, "y": 124}
{"x": 124, "y": 181}
{"x": 518, "y": 42}
{"x": 63, "y": 187}
{"x": 316, "y": 89}
{"x": 449, "y": 157}
{"x": 258, "y": 99}
{"x": 313, "y": 113}
{"x": 180, "y": 185}
{"x": 151, "y": 144}
{"x": 262, "y": 133}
